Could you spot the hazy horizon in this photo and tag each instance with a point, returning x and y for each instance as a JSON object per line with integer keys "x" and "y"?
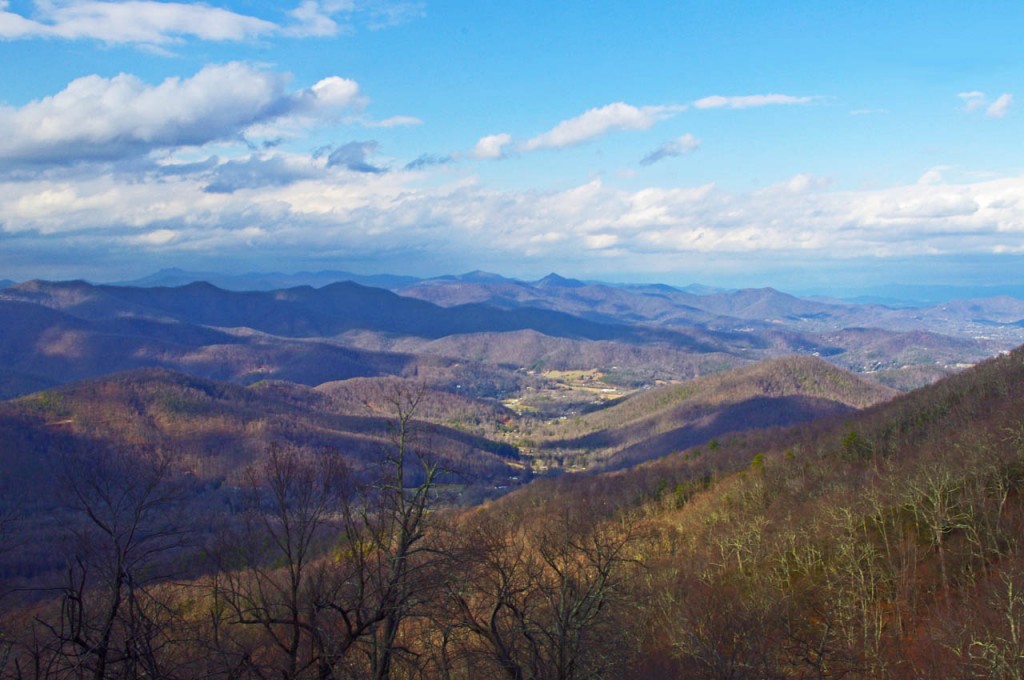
{"x": 884, "y": 293}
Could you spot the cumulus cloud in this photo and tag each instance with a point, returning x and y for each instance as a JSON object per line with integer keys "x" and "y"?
{"x": 599, "y": 121}
{"x": 340, "y": 203}
{"x": 749, "y": 101}
{"x": 355, "y": 156}
{"x": 96, "y": 118}
{"x": 680, "y": 146}
{"x": 1000, "y": 107}
{"x": 335, "y": 91}
{"x": 491, "y": 146}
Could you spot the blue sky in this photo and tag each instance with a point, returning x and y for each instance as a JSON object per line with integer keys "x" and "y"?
{"x": 805, "y": 145}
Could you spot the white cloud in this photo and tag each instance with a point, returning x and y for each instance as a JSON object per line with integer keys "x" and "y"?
{"x": 803, "y": 182}
{"x": 1000, "y": 107}
{"x": 150, "y": 22}
{"x": 393, "y": 121}
{"x": 600, "y": 241}
{"x": 383, "y": 14}
{"x": 335, "y": 91}
{"x": 976, "y": 100}
{"x": 933, "y": 175}
{"x": 136, "y": 21}
{"x": 938, "y": 204}
{"x": 800, "y": 183}
{"x": 972, "y": 100}
{"x": 680, "y": 146}
{"x": 97, "y": 118}
{"x": 749, "y": 101}
{"x": 600, "y": 121}
{"x": 313, "y": 18}
{"x": 491, "y": 146}
{"x": 157, "y": 237}
{"x": 300, "y": 206}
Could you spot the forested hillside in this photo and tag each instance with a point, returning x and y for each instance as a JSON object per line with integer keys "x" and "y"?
{"x": 655, "y": 422}
{"x": 884, "y": 543}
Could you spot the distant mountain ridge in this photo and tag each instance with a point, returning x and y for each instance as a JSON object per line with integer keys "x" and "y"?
{"x": 890, "y": 295}
{"x": 323, "y": 312}
{"x": 174, "y": 277}
{"x": 59, "y": 331}
{"x": 943, "y": 337}
{"x": 72, "y": 330}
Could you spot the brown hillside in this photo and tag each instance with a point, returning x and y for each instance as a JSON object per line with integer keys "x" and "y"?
{"x": 655, "y": 422}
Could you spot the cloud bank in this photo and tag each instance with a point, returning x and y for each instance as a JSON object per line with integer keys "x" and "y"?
{"x": 342, "y": 204}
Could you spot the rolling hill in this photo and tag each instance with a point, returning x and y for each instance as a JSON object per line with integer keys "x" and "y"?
{"x": 217, "y": 428}
{"x": 212, "y": 433}
{"x": 653, "y": 423}
{"x": 65, "y": 331}
{"x": 487, "y": 327}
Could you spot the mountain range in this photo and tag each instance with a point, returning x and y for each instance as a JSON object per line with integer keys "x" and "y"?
{"x": 60, "y": 331}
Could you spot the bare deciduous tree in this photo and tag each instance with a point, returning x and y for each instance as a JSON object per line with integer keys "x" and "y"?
{"x": 536, "y": 596}
{"x": 335, "y": 564}
{"x": 123, "y": 528}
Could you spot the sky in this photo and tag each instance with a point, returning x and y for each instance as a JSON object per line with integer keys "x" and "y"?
{"x": 805, "y": 145}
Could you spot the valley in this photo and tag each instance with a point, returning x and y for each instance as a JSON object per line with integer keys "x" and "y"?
{"x": 572, "y": 375}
